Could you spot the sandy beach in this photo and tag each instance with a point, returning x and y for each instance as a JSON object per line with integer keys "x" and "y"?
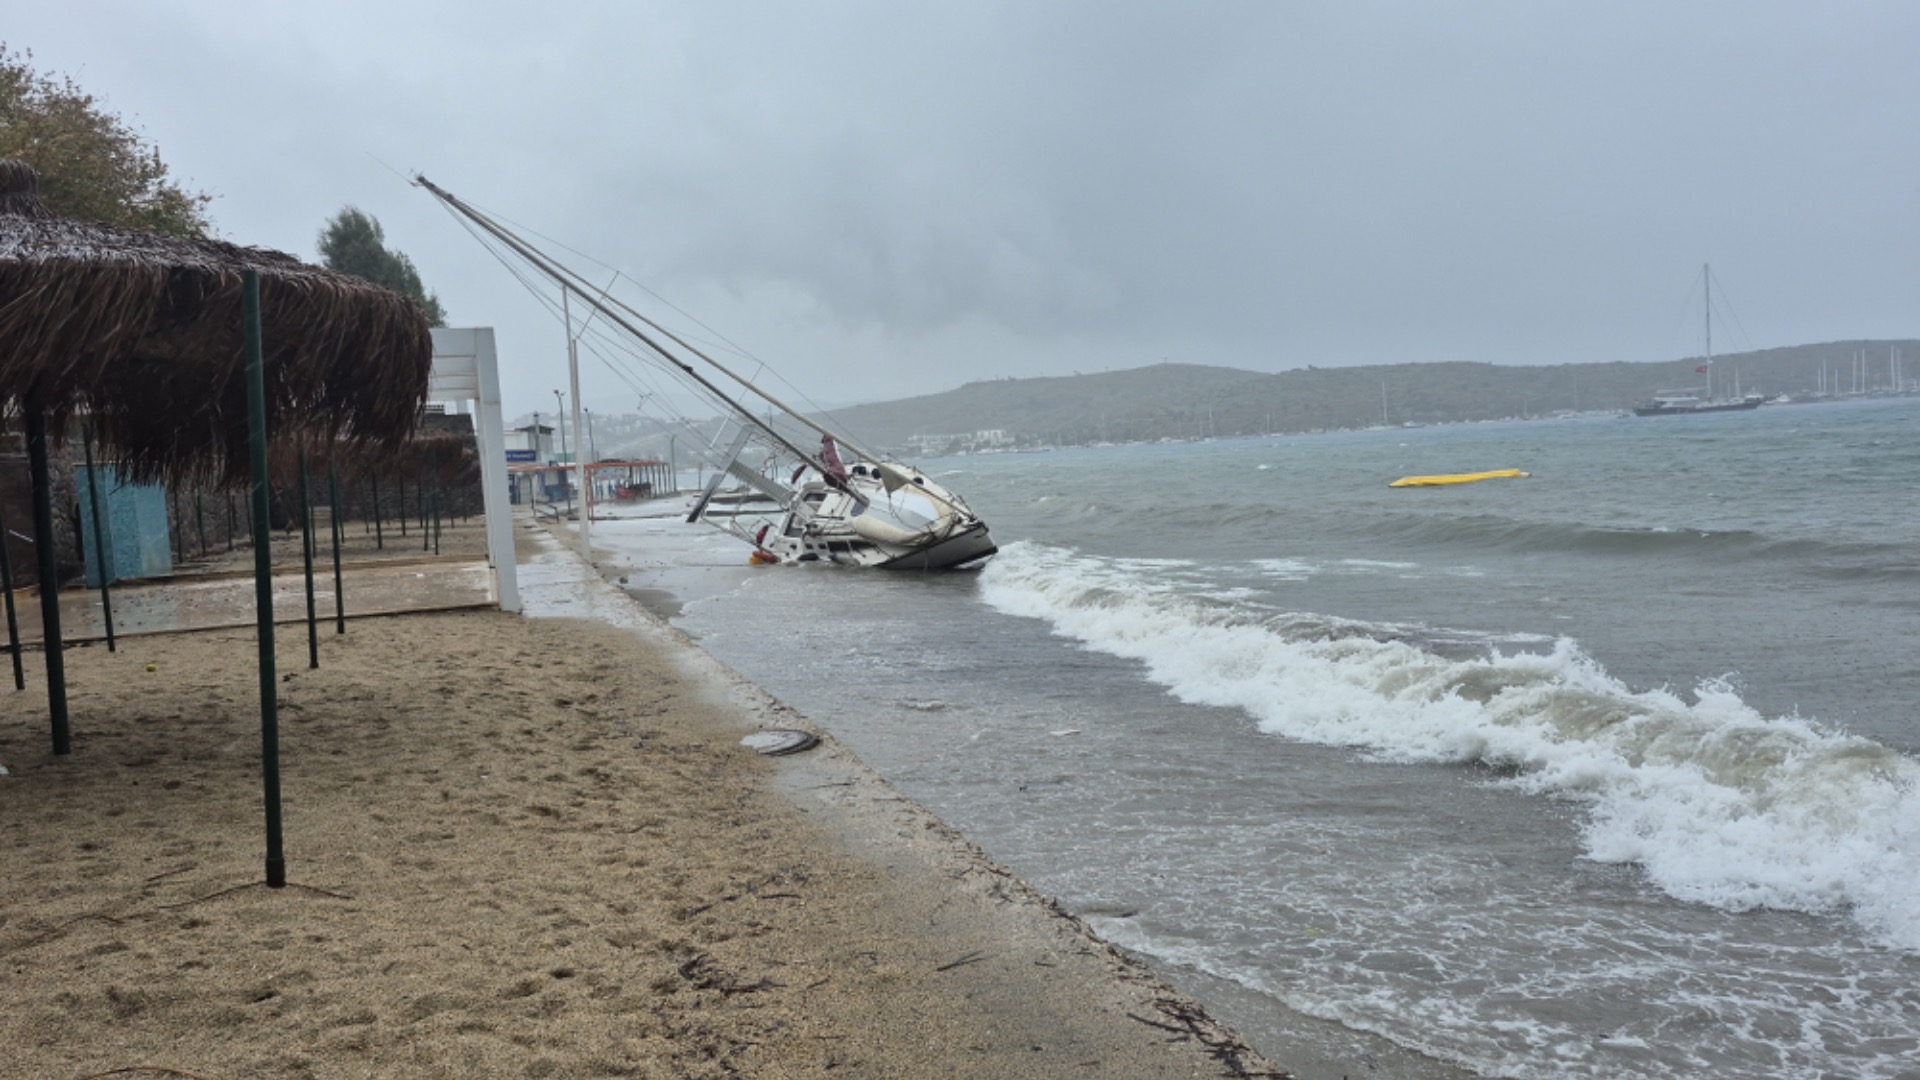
{"x": 517, "y": 847}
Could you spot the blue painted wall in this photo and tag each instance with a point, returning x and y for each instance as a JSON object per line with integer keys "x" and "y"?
{"x": 135, "y": 519}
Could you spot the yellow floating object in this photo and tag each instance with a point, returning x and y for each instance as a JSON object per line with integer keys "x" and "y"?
{"x": 1455, "y": 478}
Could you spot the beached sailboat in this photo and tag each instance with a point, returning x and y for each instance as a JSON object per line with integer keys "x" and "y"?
{"x": 1692, "y": 401}
{"x": 794, "y": 500}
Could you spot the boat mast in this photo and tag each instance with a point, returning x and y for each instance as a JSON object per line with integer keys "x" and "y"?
{"x": 603, "y": 299}
{"x": 566, "y": 278}
{"x": 1706, "y": 284}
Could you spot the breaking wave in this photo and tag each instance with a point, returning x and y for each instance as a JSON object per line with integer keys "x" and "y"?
{"x": 1718, "y": 804}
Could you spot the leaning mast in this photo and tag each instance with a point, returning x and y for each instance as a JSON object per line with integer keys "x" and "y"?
{"x": 605, "y": 304}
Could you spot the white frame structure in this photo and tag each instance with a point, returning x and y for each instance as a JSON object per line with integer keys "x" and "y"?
{"x": 465, "y": 369}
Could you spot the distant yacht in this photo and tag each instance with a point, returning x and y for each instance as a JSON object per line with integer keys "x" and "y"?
{"x": 1684, "y": 403}
{"x": 1690, "y": 402}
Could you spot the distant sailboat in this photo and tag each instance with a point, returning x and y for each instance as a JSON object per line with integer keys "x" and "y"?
{"x": 1690, "y": 402}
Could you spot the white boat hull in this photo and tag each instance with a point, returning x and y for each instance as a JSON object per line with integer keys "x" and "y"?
{"x": 838, "y": 543}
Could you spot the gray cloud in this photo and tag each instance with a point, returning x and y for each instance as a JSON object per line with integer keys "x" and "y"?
{"x": 901, "y": 197}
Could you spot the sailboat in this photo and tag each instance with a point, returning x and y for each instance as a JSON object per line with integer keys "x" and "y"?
{"x": 1691, "y": 402}
{"x": 794, "y": 500}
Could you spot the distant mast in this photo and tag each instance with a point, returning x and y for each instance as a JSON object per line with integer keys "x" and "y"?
{"x": 1706, "y": 280}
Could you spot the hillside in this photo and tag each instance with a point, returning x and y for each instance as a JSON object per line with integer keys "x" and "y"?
{"x": 1188, "y": 400}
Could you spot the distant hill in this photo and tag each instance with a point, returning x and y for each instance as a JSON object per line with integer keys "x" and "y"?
{"x": 1189, "y": 400}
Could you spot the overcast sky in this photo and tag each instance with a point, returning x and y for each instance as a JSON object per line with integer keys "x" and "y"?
{"x": 885, "y": 199}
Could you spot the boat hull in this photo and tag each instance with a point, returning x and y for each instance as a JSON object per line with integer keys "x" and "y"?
{"x": 959, "y": 550}
{"x": 1690, "y": 410}
{"x": 958, "y": 545}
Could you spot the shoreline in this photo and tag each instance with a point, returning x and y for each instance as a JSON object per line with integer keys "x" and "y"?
{"x": 529, "y": 846}
{"x": 1309, "y": 1047}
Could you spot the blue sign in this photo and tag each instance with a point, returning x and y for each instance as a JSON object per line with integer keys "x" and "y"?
{"x": 517, "y": 456}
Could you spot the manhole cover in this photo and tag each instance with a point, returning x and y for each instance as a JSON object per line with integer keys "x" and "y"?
{"x": 780, "y": 741}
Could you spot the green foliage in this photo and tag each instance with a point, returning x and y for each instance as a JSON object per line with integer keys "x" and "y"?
{"x": 353, "y": 243}
{"x": 92, "y": 165}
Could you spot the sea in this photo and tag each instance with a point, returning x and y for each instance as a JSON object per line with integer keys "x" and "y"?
{"x": 1610, "y": 771}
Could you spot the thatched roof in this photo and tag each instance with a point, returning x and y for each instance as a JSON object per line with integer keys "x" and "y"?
{"x": 447, "y": 458}
{"x": 142, "y": 333}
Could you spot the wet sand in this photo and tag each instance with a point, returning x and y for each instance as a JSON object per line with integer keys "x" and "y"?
{"x": 517, "y": 847}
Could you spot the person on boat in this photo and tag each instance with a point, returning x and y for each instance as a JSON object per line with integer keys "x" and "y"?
{"x": 830, "y": 457}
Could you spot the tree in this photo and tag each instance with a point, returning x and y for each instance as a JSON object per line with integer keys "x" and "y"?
{"x": 353, "y": 243}
{"x": 93, "y": 166}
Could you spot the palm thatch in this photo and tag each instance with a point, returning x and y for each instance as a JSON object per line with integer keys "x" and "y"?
{"x": 141, "y": 334}
{"x": 445, "y": 459}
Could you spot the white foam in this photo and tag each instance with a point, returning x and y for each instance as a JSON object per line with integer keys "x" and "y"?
{"x": 1719, "y": 804}
{"x": 1285, "y": 569}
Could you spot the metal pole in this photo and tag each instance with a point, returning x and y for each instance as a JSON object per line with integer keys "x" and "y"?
{"x": 402, "y": 515}
{"x": 379, "y": 537}
{"x": 573, "y": 387}
{"x": 263, "y": 576}
{"x": 420, "y": 504}
{"x": 586, "y": 475}
{"x": 433, "y": 498}
{"x": 333, "y": 514}
{"x": 13, "y": 620}
{"x": 306, "y": 559}
{"x": 101, "y": 547}
{"x": 49, "y": 587}
{"x": 560, "y": 421}
{"x": 199, "y": 521}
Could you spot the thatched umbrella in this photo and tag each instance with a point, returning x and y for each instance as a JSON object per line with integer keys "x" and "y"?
{"x": 141, "y": 334}
{"x": 182, "y": 354}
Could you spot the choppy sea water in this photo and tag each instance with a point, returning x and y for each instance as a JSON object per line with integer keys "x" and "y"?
{"x": 1608, "y": 772}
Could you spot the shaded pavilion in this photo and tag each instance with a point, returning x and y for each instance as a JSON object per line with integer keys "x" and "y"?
{"x": 180, "y": 355}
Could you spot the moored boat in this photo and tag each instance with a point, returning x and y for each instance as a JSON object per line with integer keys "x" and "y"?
{"x": 1688, "y": 404}
{"x": 1693, "y": 402}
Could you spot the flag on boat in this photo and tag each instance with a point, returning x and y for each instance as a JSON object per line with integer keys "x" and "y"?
{"x": 1702, "y": 369}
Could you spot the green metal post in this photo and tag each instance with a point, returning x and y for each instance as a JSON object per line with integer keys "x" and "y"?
{"x": 49, "y": 561}
{"x": 333, "y": 513}
{"x": 102, "y": 548}
{"x": 379, "y": 538}
{"x": 13, "y": 620}
{"x": 306, "y": 560}
{"x": 433, "y": 474}
{"x": 420, "y": 498}
{"x": 263, "y": 575}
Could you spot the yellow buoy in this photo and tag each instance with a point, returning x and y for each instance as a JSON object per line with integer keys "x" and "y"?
{"x": 1455, "y": 478}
